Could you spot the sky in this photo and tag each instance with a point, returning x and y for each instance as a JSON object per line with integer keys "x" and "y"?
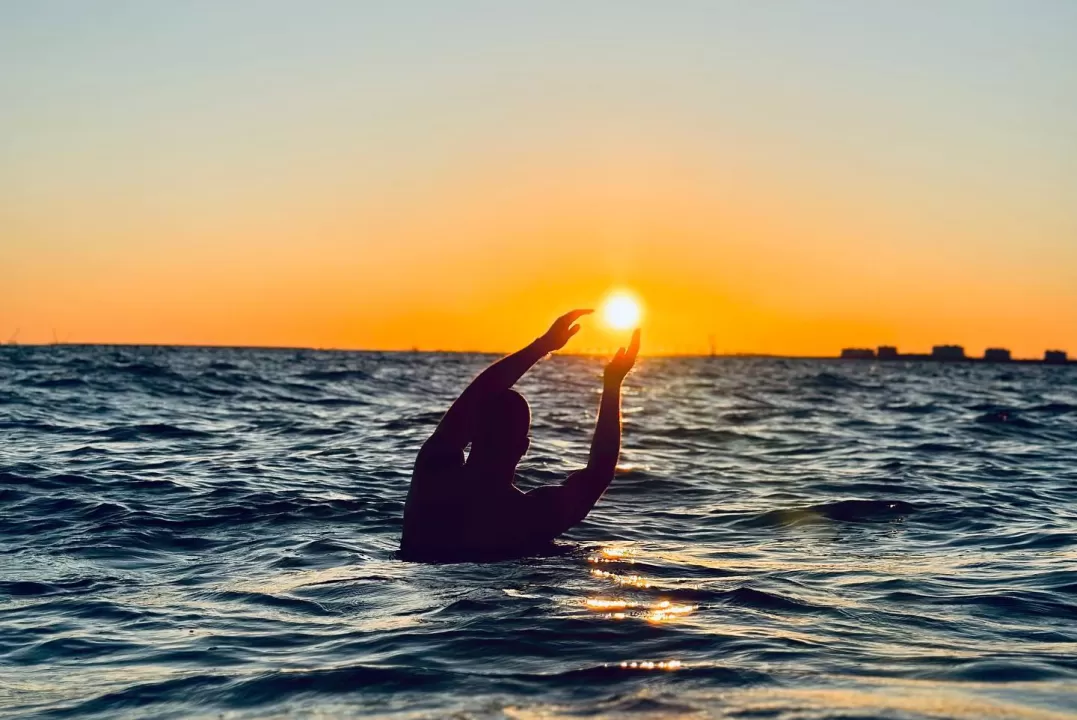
{"x": 787, "y": 178}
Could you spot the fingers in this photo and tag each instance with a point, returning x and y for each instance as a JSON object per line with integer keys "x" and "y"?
{"x": 571, "y": 317}
{"x": 633, "y": 346}
{"x": 573, "y": 330}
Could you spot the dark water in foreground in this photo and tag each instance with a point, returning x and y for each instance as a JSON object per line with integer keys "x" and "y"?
{"x": 197, "y": 532}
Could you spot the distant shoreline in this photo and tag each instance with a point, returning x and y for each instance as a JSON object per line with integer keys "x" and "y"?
{"x": 911, "y": 357}
{"x": 957, "y": 361}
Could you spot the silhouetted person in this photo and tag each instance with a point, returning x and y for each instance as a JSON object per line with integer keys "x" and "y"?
{"x": 458, "y": 510}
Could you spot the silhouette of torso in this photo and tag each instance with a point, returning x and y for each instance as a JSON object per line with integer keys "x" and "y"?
{"x": 453, "y": 515}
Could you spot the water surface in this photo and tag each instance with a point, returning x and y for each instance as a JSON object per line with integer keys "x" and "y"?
{"x": 212, "y": 532}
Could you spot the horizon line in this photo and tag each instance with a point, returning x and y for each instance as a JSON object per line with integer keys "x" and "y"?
{"x": 391, "y": 350}
{"x": 208, "y": 346}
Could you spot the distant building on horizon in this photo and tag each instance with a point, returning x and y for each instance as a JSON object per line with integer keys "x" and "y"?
{"x": 951, "y": 353}
{"x": 948, "y": 352}
{"x": 887, "y": 352}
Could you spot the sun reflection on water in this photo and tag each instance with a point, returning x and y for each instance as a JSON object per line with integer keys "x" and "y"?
{"x": 666, "y": 610}
{"x": 649, "y": 665}
{"x": 657, "y": 612}
{"x": 613, "y": 555}
{"x": 634, "y": 580}
{"x": 598, "y": 604}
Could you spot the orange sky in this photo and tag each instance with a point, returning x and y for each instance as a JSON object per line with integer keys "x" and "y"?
{"x": 446, "y": 201}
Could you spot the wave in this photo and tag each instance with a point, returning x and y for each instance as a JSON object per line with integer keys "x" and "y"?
{"x": 849, "y": 511}
{"x": 1010, "y": 418}
{"x": 153, "y": 431}
{"x": 146, "y": 370}
{"x": 1054, "y": 408}
{"x": 337, "y": 375}
{"x": 62, "y": 382}
{"x": 834, "y": 381}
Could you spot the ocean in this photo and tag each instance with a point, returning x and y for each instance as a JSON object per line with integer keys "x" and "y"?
{"x": 212, "y": 533}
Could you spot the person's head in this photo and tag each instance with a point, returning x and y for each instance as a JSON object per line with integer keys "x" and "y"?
{"x": 504, "y": 425}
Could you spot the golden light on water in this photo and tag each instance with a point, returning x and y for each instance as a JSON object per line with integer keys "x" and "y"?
{"x": 658, "y": 611}
{"x": 666, "y": 610}
{"x": 613, "y": 555}
{"x": 598, "y": 604}
{"x": 621, "y": 311}
{"x": 662, "y": 611}
{"x": 649, "y": 665}
{"x": 633, "y": 580}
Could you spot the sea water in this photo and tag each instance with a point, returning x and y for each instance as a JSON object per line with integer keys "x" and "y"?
{"x": 213, "y": 532}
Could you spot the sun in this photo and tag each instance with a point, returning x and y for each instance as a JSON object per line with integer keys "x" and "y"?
{"x": 621, "y": 311}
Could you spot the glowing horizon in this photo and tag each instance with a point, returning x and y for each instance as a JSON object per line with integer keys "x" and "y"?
{"x": 785, "y": 180}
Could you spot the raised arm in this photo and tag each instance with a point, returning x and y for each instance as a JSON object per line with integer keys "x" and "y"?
{"x": 562, "y": 506}
{"x": 457, "y": 427}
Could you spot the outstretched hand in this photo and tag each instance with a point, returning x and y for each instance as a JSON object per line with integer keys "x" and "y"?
{"x": 622, "y": 362}
{"x": 562, "y": 330}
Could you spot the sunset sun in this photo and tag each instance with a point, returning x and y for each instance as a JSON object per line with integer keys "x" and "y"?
{"x": 621, "y": 311}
